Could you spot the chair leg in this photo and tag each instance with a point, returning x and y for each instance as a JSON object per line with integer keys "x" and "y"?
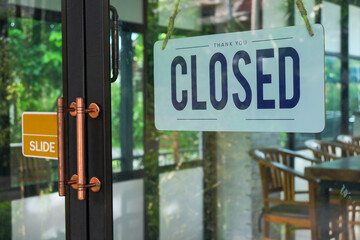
{"x": 313, "y": 233}
{"x": 266, "y": 229}
{"x": 335, "y": 228}
{"x": 353, "y": 219}
{"x": 313, "y": 211}
{"x": 345, "y": 221}
{"x": 289, "y": 232}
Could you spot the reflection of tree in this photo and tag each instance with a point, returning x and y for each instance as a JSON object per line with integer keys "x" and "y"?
{"x": 4, "y": 97}
{"x": 5, "y": 220}
{"x": 151, "y": 145}
{"x": 332, "y": 76}
{"x": 4, "y": 110}
{"x": 5, "y": 207}
{"x": 30, "y": 80}
{"x": 136, "y": 118}
{"x": 36, "y": 68}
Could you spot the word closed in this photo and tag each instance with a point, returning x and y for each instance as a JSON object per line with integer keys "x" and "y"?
{"x": 261, "y": 79}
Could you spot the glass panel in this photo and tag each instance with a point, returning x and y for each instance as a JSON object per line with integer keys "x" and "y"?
{"x": 354, "y": 93}
{"x": 52, "y": 5}
{"x": 128, "y": 210}
{"x": 190, "y": 19}
{"x": 330, "y": 18}
{"x": 354, "y": 31}
{"x": 274, "y": 14}
{"x": 127, "y": 105}
{"x": 45, "y": 214}
{"x": 129, "y": 10}
{"x": 179, "y": 191}
{"x": 205, "y": 185}
{"x": 177, "y": 147}
{"x": 333, "y": 97}
{"x": 30, "y": 80}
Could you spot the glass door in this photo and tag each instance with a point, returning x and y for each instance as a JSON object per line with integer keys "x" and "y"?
{"x": 205, "y": 185}
{"x": 155, "y": 174}
{"x": 154, "y": 184}
{"x": 30, "y": 80}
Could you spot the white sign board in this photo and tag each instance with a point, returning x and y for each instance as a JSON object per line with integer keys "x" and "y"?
{"x": 265, "y": 81}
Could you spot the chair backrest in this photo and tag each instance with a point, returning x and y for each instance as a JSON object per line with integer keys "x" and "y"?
{"x": 352, "y": 141}
{"x": 328, "y": 151}
{"x": 28, "y": 171}
{"x": 274, "y": 179}
{"x": 171, "y": 141}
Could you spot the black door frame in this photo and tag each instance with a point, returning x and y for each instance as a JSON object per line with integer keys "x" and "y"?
{"x": 86, "y": 71}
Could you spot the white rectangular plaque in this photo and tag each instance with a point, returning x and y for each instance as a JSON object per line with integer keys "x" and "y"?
{"x": 265, "y": 81}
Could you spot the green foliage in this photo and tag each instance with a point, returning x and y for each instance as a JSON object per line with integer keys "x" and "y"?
{"x": 138, "y": 108}
{"x": 333, "y": 87}
{"x": 354, "y": 93}
{"x": 354, "y": 85}
{"x": 36, "y": 73}
{"x": 333, "y": 96}
{"x": 5, "y": 219}
{"x": 5, "y": 65}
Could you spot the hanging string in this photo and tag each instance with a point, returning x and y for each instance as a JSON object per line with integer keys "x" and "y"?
{"x": 303, "y": 13}
{"x": 171, "y": 24}
{"x": 299, "y": 4}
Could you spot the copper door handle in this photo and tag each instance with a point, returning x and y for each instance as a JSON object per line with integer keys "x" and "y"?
{"x": 80, "y": 142}
{"x": 114, "y": 43}
{"x": 61, "y": 155}
{"x": 78, "y": 181}
{"x": 61, "y": 145}
{"x": 93, "y": 112}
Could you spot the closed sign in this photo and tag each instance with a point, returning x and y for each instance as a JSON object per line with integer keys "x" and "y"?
{"x": 265, "y": 80}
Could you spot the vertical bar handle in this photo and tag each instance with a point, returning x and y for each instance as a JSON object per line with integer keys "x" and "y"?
{"x": 80, "y": 141}
{"x": 115, "y": 43}
{"x": 61, "y": 155}
{"x": 78, "y": 181}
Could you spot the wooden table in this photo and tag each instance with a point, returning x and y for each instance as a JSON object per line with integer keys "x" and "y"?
{"x": 342, "y": 174}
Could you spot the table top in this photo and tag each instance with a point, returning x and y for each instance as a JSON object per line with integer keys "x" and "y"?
{"x": 345, "y": 169}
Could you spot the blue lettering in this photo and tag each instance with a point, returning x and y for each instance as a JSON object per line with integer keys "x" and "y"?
{"x": 263, "y": 78}
{"x": 196, "y": 105}
{"x": 182, "y": 104}
{"x": 242, "y": 105}
{"x": 218, "y": 105}
{"x": 292, "y": 53}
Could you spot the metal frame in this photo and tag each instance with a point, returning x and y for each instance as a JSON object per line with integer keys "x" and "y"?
{"x": 73, "y": 86}
{"x": 86, "y": 72}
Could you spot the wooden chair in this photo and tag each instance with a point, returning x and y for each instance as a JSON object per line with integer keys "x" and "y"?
{"x": 352, "y": 141}
{"x": 28, "y": 171}
{"x": 171, "y": 142}
{"x": 329, "y": 151}
{"x": 278, "y": 177}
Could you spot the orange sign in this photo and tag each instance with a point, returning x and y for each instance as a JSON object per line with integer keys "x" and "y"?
{"x": 39, "y": 135}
